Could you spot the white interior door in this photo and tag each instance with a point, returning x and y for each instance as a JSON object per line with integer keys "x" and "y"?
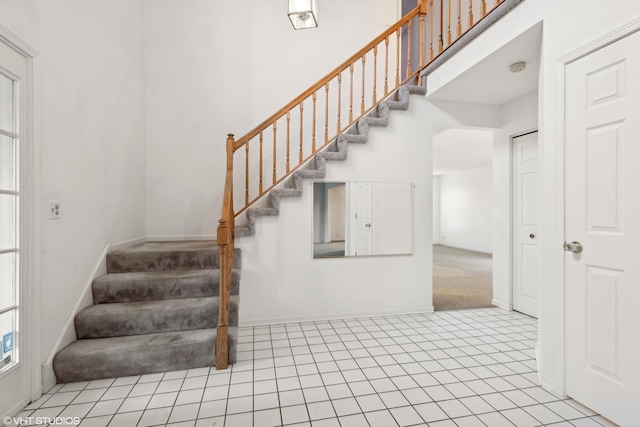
{"x": 602, "y": 213}
{"x": 364, "y": 220}
{"x": 14, "y": 372}
{"x": 526, "y": 214}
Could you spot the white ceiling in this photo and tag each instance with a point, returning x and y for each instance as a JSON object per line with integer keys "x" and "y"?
{"x": 457, "y": 150}
{"x": 490, "y": 81}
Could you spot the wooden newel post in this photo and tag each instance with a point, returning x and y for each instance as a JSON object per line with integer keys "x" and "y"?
{"x": 225, "y": 243}
{"x": 222, "y": 338}
{"x": 230, "y": 142}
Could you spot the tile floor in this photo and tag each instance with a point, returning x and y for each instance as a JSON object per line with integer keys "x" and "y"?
{"x": 458, "y": 368}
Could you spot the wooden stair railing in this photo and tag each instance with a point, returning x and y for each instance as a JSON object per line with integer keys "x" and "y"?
{"x": 328, "y": 108}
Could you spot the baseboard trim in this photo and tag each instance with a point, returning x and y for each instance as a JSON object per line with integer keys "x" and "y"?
{"x": 463, "y": 248}
{"x": 14, "y": 411}
{"x": 337, "y": 316}
{"x": 180, "y": 238}
{"x": 68, "y": 334}
{"x": 501, "y": 305}
{"x": 548, "y": 384}
{"x": 128, "y": 243}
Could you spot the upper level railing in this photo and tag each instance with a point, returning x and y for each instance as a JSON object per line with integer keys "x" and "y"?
{"x": 273, "y": 150}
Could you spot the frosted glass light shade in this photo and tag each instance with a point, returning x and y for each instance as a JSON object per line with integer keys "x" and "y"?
{"x": 303, "y": 14}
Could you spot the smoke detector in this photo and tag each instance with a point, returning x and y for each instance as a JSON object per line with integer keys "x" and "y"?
{"x": 516, "y": 67}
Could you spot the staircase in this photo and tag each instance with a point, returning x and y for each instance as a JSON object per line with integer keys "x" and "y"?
{"x": 294, "y": 143}
{"x": 337, "y": 150}
{"x": 155, "y": 310}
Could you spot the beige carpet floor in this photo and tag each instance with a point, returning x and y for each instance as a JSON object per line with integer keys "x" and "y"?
{"x": 461, "y": 279}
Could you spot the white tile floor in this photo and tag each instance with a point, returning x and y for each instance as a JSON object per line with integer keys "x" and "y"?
{"x": 458, "y": 368}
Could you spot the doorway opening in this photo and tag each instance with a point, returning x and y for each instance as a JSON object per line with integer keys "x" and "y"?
{"x": 462, "y": 218}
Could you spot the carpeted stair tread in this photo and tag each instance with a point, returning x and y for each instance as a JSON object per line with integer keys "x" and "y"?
{"x": 149, "y": 317}
{"x": 154, "y": 256}
{"x": 335, "y": 150}
{"x": 287, "y": 192}
{"x": 92, "y": 359}
{"x": 160, "y": 285}
{"x": 262, "y": 212}
{"x": 242, "y": 231}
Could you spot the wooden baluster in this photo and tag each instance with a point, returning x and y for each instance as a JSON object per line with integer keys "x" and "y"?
{"x": 230, "y": 150}
{"x": 441, "y": 30}
{"x": 261, "y": 161}
{"x": 246, "y": 174}
{"x": 397, "y": 57}
{"x": 483, "y": 8}
{"x": 275, "y": 143}
{"x": 301, "y": 128}
{"x": 313, "y": 130}
{"x": 351, "y": 96}
{"x": 375, "y": 73}
{"x": 423, "y": 13}
{"x": 386, "y": 66}
{"x": 431, "y": 30}
{"x": 288, "y": 137}
{"x": 459, "y": 18}
{"x": 363, "y": 71}
{"x": 408, "y": 48}
{"x": 448, "y": 22}
{"x": 326, "y": 113}
{"x": 339, "y": 126}
{"x": 470, "y": 13}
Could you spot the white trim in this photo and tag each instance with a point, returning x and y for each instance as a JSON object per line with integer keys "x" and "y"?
{"x": 68, "y": 334}
{"x": 502, "y": 305}
{"x": 31, "y": 185}
{"x": 8, "y": 134}
{"x": 181, "y": 238}
{"x": 16, "y": 43}
{"x": 462, "y": 248}
{"x": 512, "y": 247}
{"x": 36, "y": 138}
{"x": 17, "y": 408}
{"x": 559, "y": 355}
{"x": 128, "y": 243}
{"x": 337, "y": 316}
{"x": 599, "y": 43}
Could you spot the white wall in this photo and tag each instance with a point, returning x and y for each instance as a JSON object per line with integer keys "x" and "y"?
{"x": 281, "y": 281}
{"x": 215, "y": 67}
{"x": 91, "y": 122}
{"x": 435, "y": 238}
{"x": 466, "y": 210}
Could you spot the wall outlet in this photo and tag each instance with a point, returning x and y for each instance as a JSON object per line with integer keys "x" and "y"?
{"x": 54, "y": 209}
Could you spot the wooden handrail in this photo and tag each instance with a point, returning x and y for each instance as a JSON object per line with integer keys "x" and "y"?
{"x": 430, "y": 30}
{"x": 323, "y": 81}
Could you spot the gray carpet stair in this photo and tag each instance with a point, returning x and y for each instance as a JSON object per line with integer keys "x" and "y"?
{"x": 155, "y": 310}
{"x": 85, "y": 359}
{"x": 315, "y": 168}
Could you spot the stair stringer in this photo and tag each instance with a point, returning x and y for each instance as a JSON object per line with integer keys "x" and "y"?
{"x": 337, "y": 150}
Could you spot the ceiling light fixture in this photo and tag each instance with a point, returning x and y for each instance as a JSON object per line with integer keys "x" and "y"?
{"x": 516, "y": 67}
{"x": 303, "y": 14}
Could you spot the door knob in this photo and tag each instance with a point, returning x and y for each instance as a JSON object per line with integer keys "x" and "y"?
{"x": 532, "y": 236}
{"x": 368, "y": 224}
{"x": 575, "y": 247}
